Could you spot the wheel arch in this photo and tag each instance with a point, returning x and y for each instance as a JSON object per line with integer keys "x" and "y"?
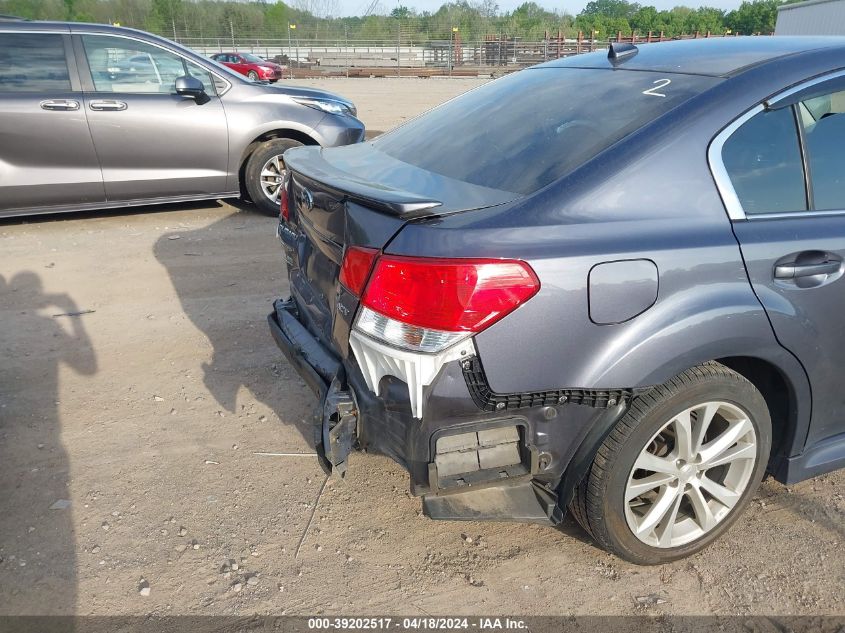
{"x": 779, "y": 378}
{"x": 781, "y": 397}
{"x": 269, "y": 135}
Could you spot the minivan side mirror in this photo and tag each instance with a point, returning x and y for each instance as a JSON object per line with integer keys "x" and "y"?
{"x": 192, "y": 87}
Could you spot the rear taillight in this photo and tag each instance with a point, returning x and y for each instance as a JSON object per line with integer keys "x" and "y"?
{"x": 426, "y": 304}
{"x": 284, "y": 203}
{"x": 355, "y": 268}
{"x": 454, "y": 295}
{"x": 419, "y": 313}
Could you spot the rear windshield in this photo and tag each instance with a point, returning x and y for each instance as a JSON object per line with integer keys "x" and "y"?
{"x": 528, "y": 129}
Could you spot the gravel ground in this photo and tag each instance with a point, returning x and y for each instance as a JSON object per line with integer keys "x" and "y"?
{"x": 133, "y": 479}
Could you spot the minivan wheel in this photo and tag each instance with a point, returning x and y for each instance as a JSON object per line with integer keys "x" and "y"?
{"x": 252, "y": 75}
{"x": 265, "y": 173}
{"x": 678, "y": 469}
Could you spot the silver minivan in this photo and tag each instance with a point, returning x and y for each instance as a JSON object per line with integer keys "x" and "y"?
{"x": 96, "y": 116}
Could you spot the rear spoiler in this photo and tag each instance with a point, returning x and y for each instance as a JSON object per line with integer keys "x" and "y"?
{"x": 308, "y": 163}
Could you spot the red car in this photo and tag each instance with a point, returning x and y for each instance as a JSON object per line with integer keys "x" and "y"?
{"x": 250, "y": 65}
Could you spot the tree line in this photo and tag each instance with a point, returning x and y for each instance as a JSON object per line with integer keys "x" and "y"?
{"x": 470, "y": 19}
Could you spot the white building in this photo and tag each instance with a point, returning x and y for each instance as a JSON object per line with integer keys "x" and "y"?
{"x": 811, "y": 17}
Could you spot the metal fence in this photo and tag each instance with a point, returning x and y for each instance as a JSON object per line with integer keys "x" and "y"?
{"x": 493, "y": 55}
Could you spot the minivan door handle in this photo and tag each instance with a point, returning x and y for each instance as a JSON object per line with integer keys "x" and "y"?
{"x": 60, "y": 104}
{"x": 108, "y": 104}
{"x": 795, "y": 271}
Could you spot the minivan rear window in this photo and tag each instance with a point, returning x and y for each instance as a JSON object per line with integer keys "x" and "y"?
{"x": 33, "y": 62}
{"x": 528, "y": 129}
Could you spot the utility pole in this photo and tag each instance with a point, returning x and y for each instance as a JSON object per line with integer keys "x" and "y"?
{"x": 452, "y": 49}
{"x": 290, "y": 50}
{"x": 232, "y": 32}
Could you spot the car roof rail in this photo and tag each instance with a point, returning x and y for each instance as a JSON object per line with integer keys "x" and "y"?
{"x": 12, "y": 18}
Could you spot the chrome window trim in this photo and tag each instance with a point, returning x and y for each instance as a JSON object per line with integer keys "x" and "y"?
{"x": 720, "y": 174}
{"x": 791, "y": 215}
{"x": 162, "y": 47}
{"x": 807, "y": 84}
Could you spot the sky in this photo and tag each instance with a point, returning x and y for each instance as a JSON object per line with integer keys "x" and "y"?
{"x": 356, "y": 7}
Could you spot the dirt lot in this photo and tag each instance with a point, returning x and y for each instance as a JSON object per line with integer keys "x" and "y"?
{"x": 130, "y": 441}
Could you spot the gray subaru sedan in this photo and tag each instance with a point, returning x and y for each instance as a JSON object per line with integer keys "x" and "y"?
{"x": 95, "y": 116}
{"x": 611, "y": 283}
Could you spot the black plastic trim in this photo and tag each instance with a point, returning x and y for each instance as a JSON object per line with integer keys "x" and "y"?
{"x": 313, "y": 362}
{"x": 488, "y": 400}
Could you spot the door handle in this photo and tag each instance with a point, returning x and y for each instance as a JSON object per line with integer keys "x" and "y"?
{"x": 794, "y": 271}
{"x": 108, "y": 104}
{"x": 60, "y": 104}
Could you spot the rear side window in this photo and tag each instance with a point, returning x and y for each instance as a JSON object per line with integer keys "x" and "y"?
{"x": 763, "y": 160}
{"x": 823, "y": 119}
{"x": 528, "y": 129}
{"x": 33, "y": 62}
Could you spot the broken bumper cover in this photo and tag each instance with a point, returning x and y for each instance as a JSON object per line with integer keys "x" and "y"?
{"x": 335, "y": 426}
{"x": 465, "y": 461}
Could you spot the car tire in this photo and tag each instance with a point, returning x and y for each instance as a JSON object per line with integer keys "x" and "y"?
{"x": 252, "y": 75}
{"x": 614, "y": 500}
{"x": 267, "y": 159}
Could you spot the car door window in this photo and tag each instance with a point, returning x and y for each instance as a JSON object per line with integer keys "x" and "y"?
{"x": 763, "y": 160}
{"x": 124, "y": 65}
{"x": 823, "y": 119}
{"x": 33, "y": 62}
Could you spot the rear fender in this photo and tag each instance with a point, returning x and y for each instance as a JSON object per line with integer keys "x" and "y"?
{"x": 659, "y": 346}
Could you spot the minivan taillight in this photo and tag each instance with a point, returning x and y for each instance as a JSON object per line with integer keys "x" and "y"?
{"x": 427, "y": 304}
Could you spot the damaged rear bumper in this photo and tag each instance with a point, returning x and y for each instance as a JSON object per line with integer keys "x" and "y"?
{"x": 336, "y": 416}
{"x": 466, "y": 461}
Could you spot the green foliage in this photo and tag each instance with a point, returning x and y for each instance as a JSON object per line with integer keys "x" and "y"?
{"x": 473, "y": 19}
{"x": 401, "y": 13}
{"x": 758, "y": 16}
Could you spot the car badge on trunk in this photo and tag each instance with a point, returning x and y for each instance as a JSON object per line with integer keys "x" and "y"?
{"x": 306, "y": 199}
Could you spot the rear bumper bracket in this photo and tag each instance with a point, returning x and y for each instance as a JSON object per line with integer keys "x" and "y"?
{"x": 336, "y": 430}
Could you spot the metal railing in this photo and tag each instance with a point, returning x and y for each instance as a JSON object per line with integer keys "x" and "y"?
{"x": 494, "y": 54}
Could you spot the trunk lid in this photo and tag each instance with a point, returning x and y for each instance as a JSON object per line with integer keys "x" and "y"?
{"x": 356, "y": 196}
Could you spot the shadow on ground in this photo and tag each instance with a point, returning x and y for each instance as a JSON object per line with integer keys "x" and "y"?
{"x": 226, "y": 276}
{"x": 40, "y": 333}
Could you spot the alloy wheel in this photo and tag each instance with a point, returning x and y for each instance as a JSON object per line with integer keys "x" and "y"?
{"x": 273, "y": 178}
{"x": 690, "y": 475}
